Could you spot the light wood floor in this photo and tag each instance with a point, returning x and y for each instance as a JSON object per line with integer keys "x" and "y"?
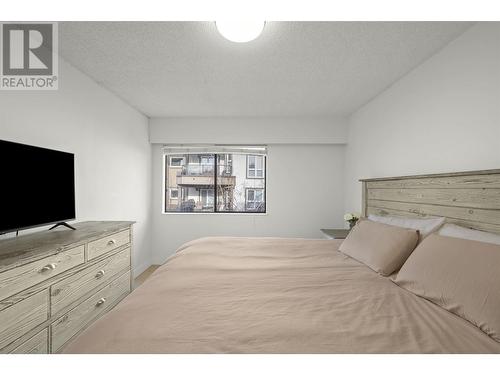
{"x": 143, "y": 276}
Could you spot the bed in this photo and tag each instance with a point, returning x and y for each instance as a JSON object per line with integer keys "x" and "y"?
{"x": 275, "y": 295}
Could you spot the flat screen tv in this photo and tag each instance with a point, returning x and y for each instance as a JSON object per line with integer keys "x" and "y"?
{"x": 37, "y": 186}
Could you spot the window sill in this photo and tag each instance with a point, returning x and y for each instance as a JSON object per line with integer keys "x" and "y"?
{"x": 217, "y": 213}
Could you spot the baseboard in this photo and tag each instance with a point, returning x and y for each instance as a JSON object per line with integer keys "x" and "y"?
{"x": 140, "y": 269}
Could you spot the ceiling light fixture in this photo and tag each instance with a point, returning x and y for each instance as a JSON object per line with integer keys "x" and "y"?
{"x": 240, "y": 31}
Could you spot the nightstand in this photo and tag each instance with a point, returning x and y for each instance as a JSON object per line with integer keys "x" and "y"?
{"x": 335, "y": 234}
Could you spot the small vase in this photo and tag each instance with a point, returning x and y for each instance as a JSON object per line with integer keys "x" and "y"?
{"x": 352, "y": 224}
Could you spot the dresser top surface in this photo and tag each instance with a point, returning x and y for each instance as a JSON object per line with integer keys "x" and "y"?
{"x": 30, "y": 247}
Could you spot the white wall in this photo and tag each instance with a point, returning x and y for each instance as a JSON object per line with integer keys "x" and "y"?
{"x": 249, "y": 130}
{"x": 304, "y": 193}
{"x": 110, "y": 143}
{"x": 443, "y": 116}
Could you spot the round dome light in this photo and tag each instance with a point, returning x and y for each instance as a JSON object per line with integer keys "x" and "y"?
{"x": 240, "y": 31}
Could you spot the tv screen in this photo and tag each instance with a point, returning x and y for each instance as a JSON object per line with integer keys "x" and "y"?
{"x": 37, "y": 186}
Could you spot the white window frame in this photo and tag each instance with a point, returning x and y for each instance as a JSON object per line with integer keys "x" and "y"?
{"x": 247, "y": 201}
{"x": 255, "y": 169}
{"x": 176, "y": 157}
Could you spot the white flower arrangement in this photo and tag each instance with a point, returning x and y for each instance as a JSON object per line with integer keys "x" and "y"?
{"x": 351, "y": 218}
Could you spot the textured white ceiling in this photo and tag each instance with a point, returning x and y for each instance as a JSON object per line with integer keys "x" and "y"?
{"x": 292, "y": 69}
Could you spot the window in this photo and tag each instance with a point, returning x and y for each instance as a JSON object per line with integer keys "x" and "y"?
{"x": 254, "y": 199}
{"x": 255, "y": 166}
{"x": 176, "y": 162}
{"x": 207, "y": 198}
{"x": 219, "y": 179}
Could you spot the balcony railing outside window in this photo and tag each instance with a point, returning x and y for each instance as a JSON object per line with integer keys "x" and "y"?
{"x": 197, "y": 170}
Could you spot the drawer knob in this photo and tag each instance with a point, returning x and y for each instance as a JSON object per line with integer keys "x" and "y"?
{"x": 99, "y": 274}
{"x": 48, "y": 267}
{"x": 111, "y": 242}
{"x": 100, "y": 302}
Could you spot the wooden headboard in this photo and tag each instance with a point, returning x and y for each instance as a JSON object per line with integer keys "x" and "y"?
{"x": 470, "y": 199}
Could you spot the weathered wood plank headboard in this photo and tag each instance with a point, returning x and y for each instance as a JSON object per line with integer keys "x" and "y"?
{"x": 470, "y": 199}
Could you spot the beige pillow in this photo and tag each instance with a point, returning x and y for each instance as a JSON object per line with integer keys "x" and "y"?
{"x": 384, "y": 248}
{"x": 461, "y": 276}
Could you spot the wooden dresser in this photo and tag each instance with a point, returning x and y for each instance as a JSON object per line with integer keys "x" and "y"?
{"x": 54, "y": 284}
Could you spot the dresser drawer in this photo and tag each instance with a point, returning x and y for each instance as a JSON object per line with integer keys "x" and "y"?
{"x": 72, "y": 322}
{"x": 38, "y": 344}
{"x": 22, "y": 317}
{"x": 25, "y": 276}
{"x": 70, "y": 289}
{"x": 99, "y": 247}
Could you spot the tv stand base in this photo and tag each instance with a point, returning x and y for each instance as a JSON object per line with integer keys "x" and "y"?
{"x": 64, "y": 224}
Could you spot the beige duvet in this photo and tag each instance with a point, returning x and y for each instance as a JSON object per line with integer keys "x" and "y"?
{"x": 263, "y": 295}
